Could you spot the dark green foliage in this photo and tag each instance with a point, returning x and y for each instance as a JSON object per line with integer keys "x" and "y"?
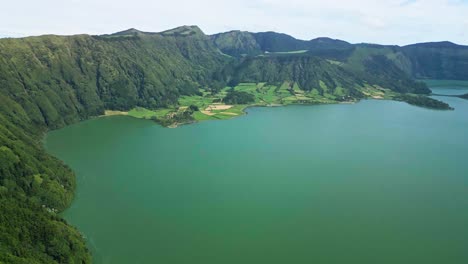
{"x": 31, "y": 234}
{"x": 332, "y": 54}
{"x": 309, "y": 72}
{"x": 237, "y": 43}
{"x": 328, "y": 44}
{"x": 380, "y": 70}
{"x": 179, "y": 117}
{"x": 238, "y": 97}
{"x": 423, "y": 101}
{"x": 233, "y": 83}
{"x": 277, "y": 42}
{"x": 241, "y": 43}
{"x": 352, "y": 65}
{"x": 48, "y": 82}
{"x": 33, "y": 187}
{"x": 193, "y": 108}
{"x": 61, "y": 80}
{"x": 440, "y": 60}
{"x": 464, "y": 96}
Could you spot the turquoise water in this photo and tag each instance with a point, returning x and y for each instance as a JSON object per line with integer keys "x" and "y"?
{"x": 373, "y": 182}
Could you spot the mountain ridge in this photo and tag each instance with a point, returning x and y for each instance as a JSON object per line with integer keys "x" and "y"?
{"x": 135, "y": 30}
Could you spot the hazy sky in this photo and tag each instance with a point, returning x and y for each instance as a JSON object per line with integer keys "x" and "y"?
{"x": 375, "y": 21}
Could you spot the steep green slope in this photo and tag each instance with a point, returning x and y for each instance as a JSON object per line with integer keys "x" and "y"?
{"x": 278, "y": 42}
{"x": 384, "y": 66}
{"x": 59, "y": 80}
{"x": 441, "y": 60}
{"x": 309, "y": 72}
{"x": 33, "y": 187}
{"x": 325, "y": 76}
{"x": 238, "y": 43}
{"x": 50, "y": 81}
{"x": 438, "y": 60}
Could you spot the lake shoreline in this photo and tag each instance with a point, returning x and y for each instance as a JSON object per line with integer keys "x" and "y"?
{"x": 244, "y": 108}
{"x": 244, "y": 113}
{"x": 218, "y": 133}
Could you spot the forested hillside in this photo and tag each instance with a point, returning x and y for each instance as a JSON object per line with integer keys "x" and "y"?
{"x": 48, "y": 82}
{"x": 239, "y": 43}
{"x": 437, "y": 60}
{"x": 315, "y": 73}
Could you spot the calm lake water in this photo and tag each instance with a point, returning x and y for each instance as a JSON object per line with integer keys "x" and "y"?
{"x": 373, "y": 182}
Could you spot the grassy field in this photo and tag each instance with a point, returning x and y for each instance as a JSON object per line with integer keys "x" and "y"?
{"x": 211, "y": 107}
{"x": 140, "y": 112}
{"x": 114, "y": 113}
{"x": 200, "y": 101}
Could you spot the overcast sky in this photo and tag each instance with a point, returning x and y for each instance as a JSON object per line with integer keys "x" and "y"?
{"x": 374, "y": 21}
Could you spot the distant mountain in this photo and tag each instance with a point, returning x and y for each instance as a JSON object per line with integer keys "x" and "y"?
{"x": 437, "y": 45}
{"x": 183, "y": 30}
{"x": 238, "y": 43}
{"x": 278, "y": 42}
{"x": 438, "y": 60}
{"x": 434, "y": 60}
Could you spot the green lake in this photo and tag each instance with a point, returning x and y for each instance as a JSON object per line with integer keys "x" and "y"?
{"x": 366, "y": 183}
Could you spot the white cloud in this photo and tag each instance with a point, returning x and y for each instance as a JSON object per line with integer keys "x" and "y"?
{"x": 378, "y": 21}
{"x": 374, "y": 22}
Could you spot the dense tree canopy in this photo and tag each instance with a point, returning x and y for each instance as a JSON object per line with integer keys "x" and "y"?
{"x": 48, "y": 82}
{"x": 238, "y": 97}
{"x": 423, "y": 101}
